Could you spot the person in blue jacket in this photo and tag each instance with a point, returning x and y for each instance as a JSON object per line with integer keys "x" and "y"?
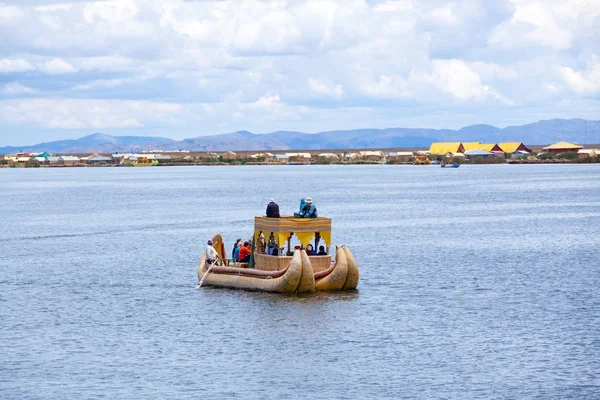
{"x": 311, "y": 209}
{"x": 302, "y": 212}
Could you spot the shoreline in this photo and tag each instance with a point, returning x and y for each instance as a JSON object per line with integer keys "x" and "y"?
{"x": 508, "y": 162}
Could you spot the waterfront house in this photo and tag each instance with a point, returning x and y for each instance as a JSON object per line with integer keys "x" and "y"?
{"x": 329, "y": 156}
{"x": 299, "y": 157}
{"x": 122, "y": 157}
{"x": 162, "y": 157}
{"x": 69, "y": 160}
{"x": 478, "y": 154}
{"x": 266, "y": 156}
{"x": 229, "y": 155}
{"x": 519, "y": 154}
{"x": 562, "y": 147}
{"x": 441, "y": 148}
{"x": 52, "y": 160}
{"x": 511, "y": 147}
{"x": 283, "y": 158}
{"x": 371, "y": 155}
{"x": 401, "y": 156}
{"x": 23, "y": 160}
{"x": 492, "y": 148}
{"x": 588, "y": 155}
{"x": 472, "y": 146}
{"x": 98, "y": 160}
{"x": 349, "y": 156}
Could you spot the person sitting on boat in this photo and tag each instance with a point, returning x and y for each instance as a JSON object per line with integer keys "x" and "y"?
{"x": 272, "y": 246}
{"x": 322, "y": 251}
{"x": 272, "y": 209}
{"x": 211, "y": 254}
{"x": 302, "y": 212}
{"x": 311, "y": 209}
{"x": 310, "y": 250}
{"x": 236, "y": 249}
{"x": 244, "y": 254}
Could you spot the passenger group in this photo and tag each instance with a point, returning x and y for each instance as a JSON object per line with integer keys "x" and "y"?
{"x": 242, "y": 250}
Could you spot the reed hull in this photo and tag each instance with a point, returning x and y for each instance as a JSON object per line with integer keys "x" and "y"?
{"x": 353, "y": 275}
{"x": 298, "y": 276}
{"x": 336, "y": 277}
{"x": 294, "y": 280}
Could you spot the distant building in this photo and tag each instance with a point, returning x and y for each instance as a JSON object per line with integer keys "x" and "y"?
{"x": 491, "y": 147}
{"x": 519, "y": 154}
{"x": 478, "y": 154}
{"x": 69, "y": 160}
{"x": 229, "y": 155}
{"x": 349, "y": 156}
{"x": 441, "y": 148}
{"x": 282, "y": 157}
{"x": 402, "y": 156}
{"x": 328, "y": 156}
{"x": 100, "y": 160}
{"x": 299, "y": 157}
{"x": 371, "y": 155}
{"x": 266, "y": 156}
{"x": 511, "y": 147}
{"x": 586, "y": 155}
{"x": 472, "y": 146}
{"x": 562, "y": 147}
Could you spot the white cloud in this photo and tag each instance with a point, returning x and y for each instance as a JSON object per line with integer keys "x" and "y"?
{"x": 293, "y": 63}
{"x": 456, "y": 78}
{"x": 325, "y": 88}
{"x": 16, "y": 88}
{"x": 57, "y": 66}
{"x": 111, "y": 83}
{"x": 10, "y": 15}
{"x": 15, "y": 65}
{"x": 87, "y": 113}
{"x": 587, "y": 81}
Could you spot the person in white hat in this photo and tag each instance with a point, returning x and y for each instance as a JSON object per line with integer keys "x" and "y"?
{"x": 311, "y": 209}
{"x": 211, "y": 253}
{"x": 272, "y": 209}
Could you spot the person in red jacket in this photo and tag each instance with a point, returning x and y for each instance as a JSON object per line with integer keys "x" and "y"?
{"x": 244, "y": 254}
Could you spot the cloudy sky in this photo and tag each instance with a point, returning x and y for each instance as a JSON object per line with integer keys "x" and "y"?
{"x": 179, "y": 68}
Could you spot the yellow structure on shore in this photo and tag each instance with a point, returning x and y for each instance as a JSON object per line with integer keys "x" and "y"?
{"x": 562, "y": 147}
{"x": 442, "y": 148}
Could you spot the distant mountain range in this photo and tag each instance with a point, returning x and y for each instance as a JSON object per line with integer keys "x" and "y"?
{"x": 542, "y": 132}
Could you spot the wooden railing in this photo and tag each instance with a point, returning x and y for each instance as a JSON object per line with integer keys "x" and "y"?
{"x": 276, "y": 263}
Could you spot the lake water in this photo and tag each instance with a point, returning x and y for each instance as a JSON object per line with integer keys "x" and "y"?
{"x": 476, "y": 282}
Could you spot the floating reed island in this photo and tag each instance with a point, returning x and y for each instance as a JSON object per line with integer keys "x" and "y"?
{"x": 277, "y": 267}
{"x": 439, "y": 152}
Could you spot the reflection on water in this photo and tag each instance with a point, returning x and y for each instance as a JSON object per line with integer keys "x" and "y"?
{"x": 476, "y": 282}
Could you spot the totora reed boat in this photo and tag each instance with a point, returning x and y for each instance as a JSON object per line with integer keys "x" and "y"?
{"x": 272, "y": 268}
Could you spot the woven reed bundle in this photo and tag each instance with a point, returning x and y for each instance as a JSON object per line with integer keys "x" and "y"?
{"x": 334, "y": 279}
{"x": 353, "y": 273}
{"x": 307, "y": 280}
{"x": 286, "y": 283}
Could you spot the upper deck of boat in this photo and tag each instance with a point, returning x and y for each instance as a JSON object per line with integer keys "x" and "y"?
{"x": 287, "y": 223}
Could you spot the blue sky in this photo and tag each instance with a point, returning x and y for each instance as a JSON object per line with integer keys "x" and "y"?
{"x": 179, "y": 69}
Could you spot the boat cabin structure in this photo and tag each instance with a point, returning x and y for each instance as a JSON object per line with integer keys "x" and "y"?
{"x": 273, "y": 241}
